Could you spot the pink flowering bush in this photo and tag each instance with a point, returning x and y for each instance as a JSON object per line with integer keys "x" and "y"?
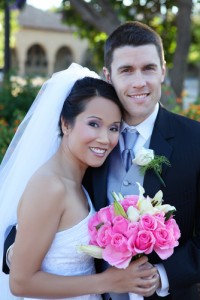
{"x": 132, "y": 226}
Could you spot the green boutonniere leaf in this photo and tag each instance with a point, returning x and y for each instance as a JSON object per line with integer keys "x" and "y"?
{"x": 156, "y": 165}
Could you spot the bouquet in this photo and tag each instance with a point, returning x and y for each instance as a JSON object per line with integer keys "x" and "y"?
{"x": 132, "y": 226}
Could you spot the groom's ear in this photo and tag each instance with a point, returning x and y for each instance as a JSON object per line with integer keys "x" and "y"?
{"x": 107, "y": 74}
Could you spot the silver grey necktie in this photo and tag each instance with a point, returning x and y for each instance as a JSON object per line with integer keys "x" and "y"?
{"x": 130, "y": 138}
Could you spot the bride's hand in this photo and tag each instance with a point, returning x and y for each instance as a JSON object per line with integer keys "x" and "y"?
{"x": 137, "y": 278}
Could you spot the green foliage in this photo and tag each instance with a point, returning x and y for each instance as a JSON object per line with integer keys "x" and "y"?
{"x": 16, "y": 97}
{"x": 156, "y": 14}
{"x": 194, "y": 55}
{"x": 6, "y": 133}
{"x": 160, "y": 15}
{"x": 17, "y": 3}
{"x": 14, "y": 11}
{"x": 175, "y": 104}
{"x": 192, "y": 112}
{"x": 1, "y": 38}
{"x": 168, "y": 97}
{"x": 13, "y": 29}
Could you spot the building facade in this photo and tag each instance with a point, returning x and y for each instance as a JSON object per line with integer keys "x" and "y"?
{"x": 44, "y": 44}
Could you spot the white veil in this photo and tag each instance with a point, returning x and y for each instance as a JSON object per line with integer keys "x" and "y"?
{"x": 35, "y": 141}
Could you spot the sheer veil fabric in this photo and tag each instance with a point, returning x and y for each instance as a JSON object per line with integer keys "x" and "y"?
{"x": 35, "y": 141}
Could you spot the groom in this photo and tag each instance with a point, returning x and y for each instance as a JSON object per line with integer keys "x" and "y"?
{"x": 135, "y": 65}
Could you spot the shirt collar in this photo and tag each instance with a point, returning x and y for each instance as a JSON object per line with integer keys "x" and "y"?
{"x": 146, "y": 127}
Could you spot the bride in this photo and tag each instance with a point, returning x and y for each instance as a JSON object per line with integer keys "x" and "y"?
{"x": 73, "y": 123}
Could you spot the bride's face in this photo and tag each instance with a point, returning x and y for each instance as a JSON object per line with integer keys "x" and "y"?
{"x": 95, "y": 132}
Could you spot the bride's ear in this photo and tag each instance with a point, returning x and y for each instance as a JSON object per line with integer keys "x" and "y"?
{"x": 65, "y": 126}
{"x": 107, "y": 74}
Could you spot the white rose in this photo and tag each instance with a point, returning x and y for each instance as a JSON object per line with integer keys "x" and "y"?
{"x": 133, "y": 214}
{"x": 143, "y": 157}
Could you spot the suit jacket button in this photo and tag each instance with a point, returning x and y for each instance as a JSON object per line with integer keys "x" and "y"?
{"x": 126, "y": 182}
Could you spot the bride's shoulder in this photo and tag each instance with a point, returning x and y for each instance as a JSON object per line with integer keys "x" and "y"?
{"x": 46, "y": 184}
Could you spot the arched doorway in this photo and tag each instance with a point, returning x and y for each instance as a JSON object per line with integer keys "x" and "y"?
{"x": 36, "y": 62}
{"x": 64, "y": 58}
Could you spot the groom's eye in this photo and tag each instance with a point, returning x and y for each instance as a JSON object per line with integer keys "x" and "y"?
{"x": 126, "y": 70}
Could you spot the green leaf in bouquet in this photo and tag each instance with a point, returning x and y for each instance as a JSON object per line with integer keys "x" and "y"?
{"x": 169, "y": 214}
{"x": 119, "y": 211}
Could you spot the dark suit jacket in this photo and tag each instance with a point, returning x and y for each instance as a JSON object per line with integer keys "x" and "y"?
{"x": 177, "y": 138}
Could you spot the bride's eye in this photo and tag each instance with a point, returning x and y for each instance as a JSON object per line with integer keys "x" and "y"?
{"x": 114, "y": 128}
{"x": 93, "y": 124}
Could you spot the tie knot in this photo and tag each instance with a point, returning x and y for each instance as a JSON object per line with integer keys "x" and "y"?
{"x": 130, "y": 138}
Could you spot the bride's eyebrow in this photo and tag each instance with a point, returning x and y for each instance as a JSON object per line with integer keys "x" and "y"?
{"x": 94, "y": 117}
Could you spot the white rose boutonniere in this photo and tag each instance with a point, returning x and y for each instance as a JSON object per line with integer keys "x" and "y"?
{"x": 146, "y": 159}
{"x": 143, "y": 157}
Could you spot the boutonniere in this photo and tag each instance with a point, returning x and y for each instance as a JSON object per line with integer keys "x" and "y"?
{"x": 146, "y": 159}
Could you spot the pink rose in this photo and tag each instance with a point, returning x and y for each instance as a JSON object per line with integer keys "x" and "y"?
{"x": 132, "y": 230}
{"x": 117, "y": 258}
{"x": 120, "y": 225}
{"x": 129, "y": 200}
{"x": 104, "y": 235}
{"x": 147, "y": 222}
{"x": 105, "y": 214}
{"x": 172, "y": 225}
{"x": 93, "y": 223}
{"x": 165, "y": 242}
{"x": 119, "y": 242}
{"x": 144, "y": 242}
{"x": 132, "y": 239}
{"x": 160, "y": 216}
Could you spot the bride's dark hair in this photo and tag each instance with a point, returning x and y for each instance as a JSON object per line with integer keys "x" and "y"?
{"x": 82, "y": 92}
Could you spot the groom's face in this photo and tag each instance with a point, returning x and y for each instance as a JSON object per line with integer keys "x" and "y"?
{"x": 137, "y": 74}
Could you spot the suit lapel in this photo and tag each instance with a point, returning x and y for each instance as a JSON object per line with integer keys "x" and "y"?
{"x": 99, "y": 180}
{"x": 162, "y": 133}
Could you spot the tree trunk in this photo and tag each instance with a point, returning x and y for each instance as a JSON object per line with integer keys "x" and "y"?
{"x": 183, "y": 42}
{"x": 7, "y": 38}
{"x": 103, "y": 18}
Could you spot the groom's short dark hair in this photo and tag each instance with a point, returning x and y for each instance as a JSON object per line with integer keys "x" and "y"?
{"x": 132, "y": 33}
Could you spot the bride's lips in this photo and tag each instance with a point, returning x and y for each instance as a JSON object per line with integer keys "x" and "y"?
{"x": 98, "y": 151}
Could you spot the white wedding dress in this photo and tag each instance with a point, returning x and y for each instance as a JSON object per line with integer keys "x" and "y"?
{"x": 63, "y": 258}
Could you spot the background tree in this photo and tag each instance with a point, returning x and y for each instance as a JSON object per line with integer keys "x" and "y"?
{"x": 183, "y": 38}
{"x": 194, "y": 54}
{"x": 6, "y": 6}
{"x": 171, "y": 19}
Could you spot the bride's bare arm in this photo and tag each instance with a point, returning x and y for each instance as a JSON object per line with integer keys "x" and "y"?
{"x": 42, "y": 284}
{"x": 39, "y": 217}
